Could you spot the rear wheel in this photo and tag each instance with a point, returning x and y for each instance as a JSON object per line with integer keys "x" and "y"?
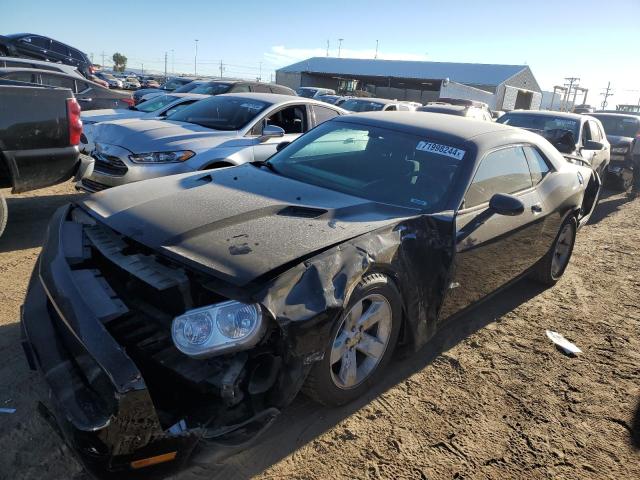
{"x": 552, "y": 266}
{"x": 4, "y": 214}
{"x": 361, "y": 345}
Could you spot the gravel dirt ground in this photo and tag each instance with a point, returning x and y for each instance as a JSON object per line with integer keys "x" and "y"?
{"x": 489, "y": 397}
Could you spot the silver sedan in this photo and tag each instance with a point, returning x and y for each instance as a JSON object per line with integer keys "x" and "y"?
{"x": 220, "y": 131}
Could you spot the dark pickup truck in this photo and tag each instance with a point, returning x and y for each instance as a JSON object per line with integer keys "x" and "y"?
{"x": 40, "y": 130}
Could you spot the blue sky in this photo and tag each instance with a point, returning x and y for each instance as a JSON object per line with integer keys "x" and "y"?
{"x": 594, "y": 40}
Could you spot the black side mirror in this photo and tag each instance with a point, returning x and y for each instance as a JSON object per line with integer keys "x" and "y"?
{"x": 281, "y": 145}
{"x": 508, "y": 205}
{"x": 593, "y": 145}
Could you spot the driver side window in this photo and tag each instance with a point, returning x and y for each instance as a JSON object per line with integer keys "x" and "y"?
{"x": 501, "y": 171}
{"x": 292, "y": 119}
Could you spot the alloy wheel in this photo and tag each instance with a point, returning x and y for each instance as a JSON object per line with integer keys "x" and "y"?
{"x": 361, "y": 341}
{"x": 562, "y": 251}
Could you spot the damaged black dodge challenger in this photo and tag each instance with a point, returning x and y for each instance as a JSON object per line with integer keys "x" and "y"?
{"x": 189, "y": 310}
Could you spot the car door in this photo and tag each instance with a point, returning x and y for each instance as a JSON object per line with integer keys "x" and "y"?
{"x": 493, "y": 249}
{"x": 35, "y": 46}
{"x": 587, "y": 154}
{"x": 293, "y": 119}
{"x": 600, "y": 157}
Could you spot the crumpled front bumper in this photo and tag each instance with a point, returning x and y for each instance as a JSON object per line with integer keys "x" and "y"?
{"x": 96, "y": 392}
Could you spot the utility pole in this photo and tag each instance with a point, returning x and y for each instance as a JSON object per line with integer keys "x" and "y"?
{"x": 103, "y": 59}
{"x": 570, "y": 83}
{"x": 195, "y": 61}
{"x": 376, "y": 55}
{"x": 221, "y": 68}
{"x": 606, "y": 94}
{"x": 142, "y": 65}
{"x": 260, "y": 76}
{"x": 165, "y": 66}
{"x": 327, "y": 48}
{"x": 340, "y": 40}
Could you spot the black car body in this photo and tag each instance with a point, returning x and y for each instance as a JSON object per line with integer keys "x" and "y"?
{"x": 117, "y": 267}
{"x": 44, "y": 48}
{"x": 90, "y": 95}
{"x": 622, "y": 131}
{"x": 39, "y": 136}
{"x": 573, "y": 134}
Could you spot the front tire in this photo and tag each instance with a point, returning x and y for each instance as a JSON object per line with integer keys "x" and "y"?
{"x": 552, "y": 266}
{"x": 361, "y": 343}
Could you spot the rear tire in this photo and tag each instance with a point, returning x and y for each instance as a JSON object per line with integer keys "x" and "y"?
{"x": 552, "y": 266}
{"x": 369, "y": 323}
{"x": 4, "y": 214}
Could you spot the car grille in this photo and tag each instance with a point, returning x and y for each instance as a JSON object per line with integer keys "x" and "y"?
{"x": 93, "y": 186}
{"x": 109, "y": 164}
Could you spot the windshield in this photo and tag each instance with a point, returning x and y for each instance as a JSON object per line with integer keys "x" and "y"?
{"x": 155, "y": 103}
{"x": 374, "y": 163}
{"x": 355, "y": 105}
{"x": 108, "y": 76}
{"x": 212, "y": 88}
{"x": 171, "y": 84}
{"x": 188, "y": 87}
{"x": 221, "y": 113}
{"x": 621, "y": 126}
{"x": 542, "y": 123}
{"x": 449, "y": 111}
{"x": 306, "y": 92}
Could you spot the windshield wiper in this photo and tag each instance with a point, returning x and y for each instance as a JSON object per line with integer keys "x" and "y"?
{"x": 265, "y": 163}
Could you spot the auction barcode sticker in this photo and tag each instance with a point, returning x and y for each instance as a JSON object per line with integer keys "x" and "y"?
{"x": 441, "y": 149}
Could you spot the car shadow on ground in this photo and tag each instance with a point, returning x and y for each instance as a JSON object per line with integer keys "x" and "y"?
{"x": 304, "y": 420}
{"x": 610, "y": 202}
{"x": 28, "y": 220}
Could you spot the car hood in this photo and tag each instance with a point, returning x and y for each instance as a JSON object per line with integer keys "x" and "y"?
{"x": 107, "y": 114}
{"x": 619, "y": 141}
{"x": 238, "y": 223}
{"x": 141, "y": 136}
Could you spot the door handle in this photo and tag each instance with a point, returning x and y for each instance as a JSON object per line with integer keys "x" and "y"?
{"x": 85, "y": 99}
{"x": 537, "y": 208}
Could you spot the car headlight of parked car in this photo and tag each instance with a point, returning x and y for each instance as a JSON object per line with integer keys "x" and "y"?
{"x": 162, "y": 157}
{"x": 216, "y": 329}
{"x": 620, "y": 149}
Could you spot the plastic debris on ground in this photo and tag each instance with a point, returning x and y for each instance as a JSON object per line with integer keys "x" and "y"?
{"x": 565, "y": 345}
{"x": 7, "y": 410}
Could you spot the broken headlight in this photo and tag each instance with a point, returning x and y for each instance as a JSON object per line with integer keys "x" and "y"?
{"x": 216, "y": 329}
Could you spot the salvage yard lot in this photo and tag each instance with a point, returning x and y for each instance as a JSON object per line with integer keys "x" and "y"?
{"x": 489, "y": 397}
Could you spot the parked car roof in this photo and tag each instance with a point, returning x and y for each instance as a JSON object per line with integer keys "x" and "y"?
{"x": 39, "y": 64}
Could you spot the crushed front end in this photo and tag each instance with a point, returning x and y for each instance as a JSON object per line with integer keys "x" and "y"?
{"x": 97, "y": 323}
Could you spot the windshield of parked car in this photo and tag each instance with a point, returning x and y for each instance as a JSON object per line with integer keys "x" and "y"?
{"x": 188, "y": 87}
{"x": 221, "y": 113}
{"x": 374, "y": 163}
{"x": 155, "y": 103}
{"x": 621, "y": 126}
{"x": 355, "y": 105}
{"x": 212, "y": 88}
{"x": 444, "y": 109}
{"x": 541, "y": 122}
{"x": 108, "y": 76}
{"x": 306, "y": 92}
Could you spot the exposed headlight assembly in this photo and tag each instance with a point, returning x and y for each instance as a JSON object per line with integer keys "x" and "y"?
{"x": 620, "y": 149}
{"x": 216, "y": 329}
{"x": 162, "y": 157}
